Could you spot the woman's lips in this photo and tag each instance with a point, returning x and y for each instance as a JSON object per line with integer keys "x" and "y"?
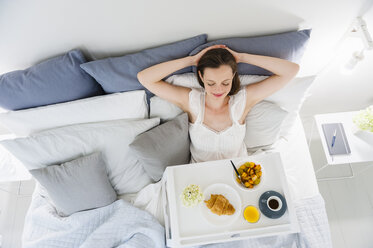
{"x": 217, "y": 95}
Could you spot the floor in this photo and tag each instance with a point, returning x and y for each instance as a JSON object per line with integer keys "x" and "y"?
{"x": 349, "y": 202}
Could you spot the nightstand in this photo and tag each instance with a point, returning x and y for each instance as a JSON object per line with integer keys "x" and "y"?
{"x": 361, "y": 147}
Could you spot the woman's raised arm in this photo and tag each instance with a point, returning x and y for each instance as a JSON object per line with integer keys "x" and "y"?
{"x": 151, "y": 78}
{"x": 283, "y": 71}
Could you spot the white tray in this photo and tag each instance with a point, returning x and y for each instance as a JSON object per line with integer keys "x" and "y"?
{"x": 187, "y": 226}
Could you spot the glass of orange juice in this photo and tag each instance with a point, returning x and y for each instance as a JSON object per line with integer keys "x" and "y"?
{"x": 251, "y": 214}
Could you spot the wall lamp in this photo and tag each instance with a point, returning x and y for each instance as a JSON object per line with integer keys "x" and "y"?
{"x": 358, "y": 29}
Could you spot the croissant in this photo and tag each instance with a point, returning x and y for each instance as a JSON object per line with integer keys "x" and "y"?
{"x": 219, "y": 205}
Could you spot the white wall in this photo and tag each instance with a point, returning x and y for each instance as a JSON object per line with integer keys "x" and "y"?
{"x": 33, "y": 30}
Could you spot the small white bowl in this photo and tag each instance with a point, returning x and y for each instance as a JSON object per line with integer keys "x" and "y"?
{"x": 238, "y": 165}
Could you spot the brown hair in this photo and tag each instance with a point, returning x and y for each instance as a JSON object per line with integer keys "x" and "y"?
{"x": 214, "y": 58}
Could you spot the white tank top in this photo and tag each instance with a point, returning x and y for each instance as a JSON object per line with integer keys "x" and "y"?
{"x": 208, "y": 144}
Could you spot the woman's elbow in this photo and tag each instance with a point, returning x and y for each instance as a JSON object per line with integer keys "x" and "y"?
{"x": 295, "y": 70}
{"x": 292, "y": 71}
{"x": 139, "y": 78}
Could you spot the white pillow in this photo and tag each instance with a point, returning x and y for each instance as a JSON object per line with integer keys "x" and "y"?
{"x": 11, "y": 169}
{"x": 263, "y": 124}
{"x": 292, "y": 96}
{"x": 2, "y": 110}
{"x": 100, "y": 108}
{"x": 163, "y": 109}
{"x": 4, "y": 130}
{"x": 112, "y": 138}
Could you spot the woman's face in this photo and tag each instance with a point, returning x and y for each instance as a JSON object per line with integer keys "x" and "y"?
{"x": 217, "y": 81}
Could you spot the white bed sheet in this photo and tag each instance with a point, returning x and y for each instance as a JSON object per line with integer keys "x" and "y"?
{"x": 297, "y": 162}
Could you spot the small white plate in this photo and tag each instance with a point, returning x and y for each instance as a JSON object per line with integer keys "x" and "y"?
{"x": 232, "y": 196}
{"x": 238, "y": 164}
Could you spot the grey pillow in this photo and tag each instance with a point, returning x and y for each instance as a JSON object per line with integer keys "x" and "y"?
{"x": 289, "y": 46}
{"x": 263, "y": 125}
{"x": 59, "y": 79}
{"x": 77, "y": 185}
{"x": 165, "y": 145}
{"x": 120, "y": 73}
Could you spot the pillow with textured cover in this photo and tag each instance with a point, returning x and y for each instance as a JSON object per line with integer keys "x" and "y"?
{"x": 165, "y": 145}
{"x": 289, "y": 46}
{"x": 59, "y": 79}
{"x": 118, "y": 74}
{"x": 125, "y": 105}
{"x": 77, "y": 185}
{"x": 111, "y": 138}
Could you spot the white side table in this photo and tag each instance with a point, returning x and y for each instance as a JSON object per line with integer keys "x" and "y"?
{"x": 361, "y": 148}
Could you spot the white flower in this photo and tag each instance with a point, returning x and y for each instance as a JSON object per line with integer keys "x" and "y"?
{"x": 364, "y": 119}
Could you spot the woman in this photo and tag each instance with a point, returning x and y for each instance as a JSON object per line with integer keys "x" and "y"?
{"x": 217, "y": 114}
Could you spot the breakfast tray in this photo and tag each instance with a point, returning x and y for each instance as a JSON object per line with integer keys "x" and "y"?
{"x": 186, "y": 226}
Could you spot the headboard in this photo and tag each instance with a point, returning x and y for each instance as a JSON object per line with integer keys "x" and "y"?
{"x": 32, "y": 31}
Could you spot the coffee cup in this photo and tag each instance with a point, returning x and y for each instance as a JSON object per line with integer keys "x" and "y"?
{"x": 274, "y": 203}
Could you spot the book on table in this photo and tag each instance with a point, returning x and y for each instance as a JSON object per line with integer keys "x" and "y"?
{"x": 340, "y": 144}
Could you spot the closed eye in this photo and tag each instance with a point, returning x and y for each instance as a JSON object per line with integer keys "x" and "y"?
{"x": 224, "y": 84}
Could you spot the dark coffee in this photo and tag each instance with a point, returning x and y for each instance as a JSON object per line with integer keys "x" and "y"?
{"x": 273, "y": 204}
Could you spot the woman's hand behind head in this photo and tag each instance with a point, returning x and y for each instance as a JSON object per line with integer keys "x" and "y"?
{"x": 198, "y": 56}
{"x": 236, "y": 55}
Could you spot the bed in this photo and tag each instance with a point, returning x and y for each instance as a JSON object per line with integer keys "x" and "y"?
{"x": 42, "y": 221}
{"x": 104, "y": 116}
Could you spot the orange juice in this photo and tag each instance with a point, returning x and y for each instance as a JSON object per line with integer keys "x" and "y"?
{"x": 251, "y": 214}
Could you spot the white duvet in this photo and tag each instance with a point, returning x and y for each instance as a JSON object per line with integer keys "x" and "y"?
{"x": 117, "y": 225}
